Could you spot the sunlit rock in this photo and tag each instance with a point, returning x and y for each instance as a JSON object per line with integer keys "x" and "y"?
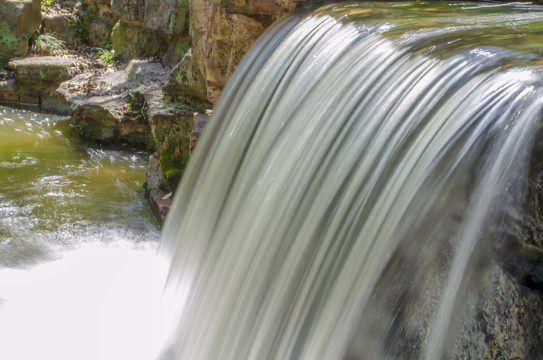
{"x": 18, "y": 21}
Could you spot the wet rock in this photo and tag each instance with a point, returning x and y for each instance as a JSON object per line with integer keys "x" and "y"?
{"x": 160, "y": 200}
{"x": 171, "y": 125}
{"x": 198, "y": 123}
{"x": 9, "y": 90}
{"x": 130, "y": 41}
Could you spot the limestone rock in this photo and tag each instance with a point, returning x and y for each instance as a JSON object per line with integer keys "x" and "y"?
{"x": 131, "y": 41}
{"x": 60, "y": 25}
{"x": 9, "y": 90}
{"x": 186, "y": 82}
{"x": 40, "y": 76}
{"x": 171, "y": 125}
{"x": 107, "y": 119}
{"x": 110, "y": 107}
{"x": 19, "y": 19}
{"x": 223, "y": 33}
{"x": 168, "y": 16}
{"x": 43, "y": 69}
{"x": 160, "y": 200}
{"x": 129, "y": 9}
{"x": 100, "y": 30}
{"x": 177, "y": 48}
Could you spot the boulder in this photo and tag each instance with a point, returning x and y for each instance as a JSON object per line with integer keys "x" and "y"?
{"x": 9, "y": 90}
{"x": 108, "y": 119}
{"x": 61, "y": 26}
{"x": 177, "y": 48}
{"x": 131, "y": 41}
{"x": 132, "y": 10}
{"x": 38, "y": 78}
{"x": 171, "y": 125}
{"x": 19, "y": 19}
{"x": 186, "y": 83}
{"x": 168, "y": 16}
{"x": 110, "y": 107}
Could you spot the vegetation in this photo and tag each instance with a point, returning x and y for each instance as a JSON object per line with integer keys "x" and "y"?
{"x": 45, "y": 5}
{"x": 82, "y": 28}
{"x": 48, "y": 44}
{"x": 105, "y": 52}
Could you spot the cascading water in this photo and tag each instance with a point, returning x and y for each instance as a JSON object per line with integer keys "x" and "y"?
{"x": 358, "y": 171}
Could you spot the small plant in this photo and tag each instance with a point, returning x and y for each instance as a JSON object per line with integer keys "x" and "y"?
{"x": 45, "y": 5}
{"x": 81, "y": 28}
{"x": 48, "y": 44}
{"x": 105, "y": 52}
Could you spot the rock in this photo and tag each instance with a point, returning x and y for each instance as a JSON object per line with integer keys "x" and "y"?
{"x": 168, "y": 16}
{"x": 171, "y": 125}
{"x": 223, "y": 33}
{"x": 110, "y": 107}
{"x": 9, "y": 90}
{"x": 186, "y": 83}
{"x": 160, "y": 200}
{"x": 198, "y": 123}
{"x": 131, "y": 41}
{"x": 61, "y": 26}
{"x": 177, "y": 48}
{"x": 19, "y": 19}
{"x": 108, "y": 119}
{"x": 100, "y": 31}
{"x": 129, "y": 9}
{"x": 40, "y": 76}
{"x": 53, "y": 69}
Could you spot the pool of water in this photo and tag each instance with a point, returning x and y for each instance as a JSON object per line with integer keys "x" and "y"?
{"x": 78, "y": 265}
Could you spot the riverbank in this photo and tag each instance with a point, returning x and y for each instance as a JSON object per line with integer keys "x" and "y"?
{"x": 130, "y": 71}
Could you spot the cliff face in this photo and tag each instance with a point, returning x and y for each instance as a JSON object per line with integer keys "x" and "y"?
{"x": 223, "y": 31}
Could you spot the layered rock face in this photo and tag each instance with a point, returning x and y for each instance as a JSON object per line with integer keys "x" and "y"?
{"x": 223, "y": 32}
{"x": 18, "y": 21}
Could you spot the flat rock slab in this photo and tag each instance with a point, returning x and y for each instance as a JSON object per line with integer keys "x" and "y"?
{"x": 53, "y": 69}
{"x": 103, "y": 106}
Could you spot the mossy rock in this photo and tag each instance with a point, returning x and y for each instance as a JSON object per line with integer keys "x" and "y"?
{"x": 128, "y": 9}
{"x": 19, "y": 19}
{"x": 171, "y": 125}
{"x": 187, "y": 84}
{"x": 130, "y": 41}
{"x": 168, "y": 16}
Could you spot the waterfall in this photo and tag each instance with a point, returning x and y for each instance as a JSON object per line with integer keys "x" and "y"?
{"x": 354, "y": 181}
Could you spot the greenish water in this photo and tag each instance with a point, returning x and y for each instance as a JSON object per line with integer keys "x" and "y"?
{"x": 79, "y": 275}
{"x": 57, "y": 192}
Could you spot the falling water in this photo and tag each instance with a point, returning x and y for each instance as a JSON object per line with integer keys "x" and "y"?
{"x": 356, "y": 175}
{"x": 343, "y": 158}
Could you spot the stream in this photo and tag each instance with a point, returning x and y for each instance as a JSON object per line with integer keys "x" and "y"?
{"x": 78, "y": 242}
